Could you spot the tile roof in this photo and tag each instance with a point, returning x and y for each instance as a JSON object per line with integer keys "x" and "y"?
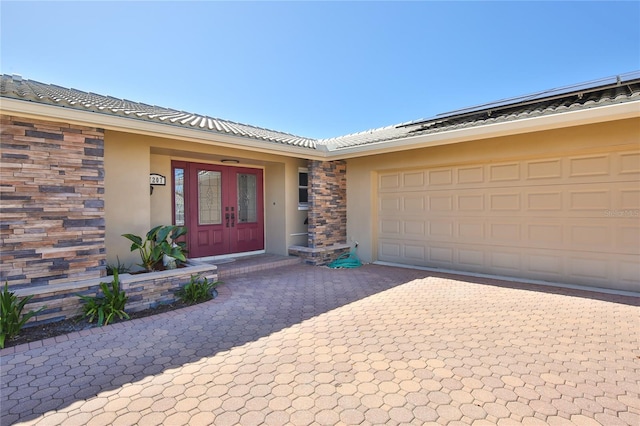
{"x": 29, "y": 90}
{"x": 609, "y": 91}
{"x": 573, "y": 98}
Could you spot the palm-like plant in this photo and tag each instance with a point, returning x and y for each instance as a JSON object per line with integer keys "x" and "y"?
{"x": 159, "y": 241}
{"x": 11, "y": 318}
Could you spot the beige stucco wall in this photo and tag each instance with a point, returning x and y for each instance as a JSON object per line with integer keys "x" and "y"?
{"x": 129, "y": 159}
{"x": 362, "y": 173}
{"x": 127, "y": 201}
{"x": 161, "y": 197}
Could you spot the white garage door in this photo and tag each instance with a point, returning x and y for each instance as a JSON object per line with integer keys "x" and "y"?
{"x": 572, "y": 219}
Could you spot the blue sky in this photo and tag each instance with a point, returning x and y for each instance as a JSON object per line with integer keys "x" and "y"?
{"x": 318, "y": 69}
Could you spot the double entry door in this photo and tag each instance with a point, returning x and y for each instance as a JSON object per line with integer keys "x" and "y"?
{"x": 223, "y": 209}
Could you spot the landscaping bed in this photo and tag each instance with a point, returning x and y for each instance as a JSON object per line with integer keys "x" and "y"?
{"x": 58, "y": 328}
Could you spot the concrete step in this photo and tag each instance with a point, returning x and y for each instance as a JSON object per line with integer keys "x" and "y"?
{"x": 242, "y": 265}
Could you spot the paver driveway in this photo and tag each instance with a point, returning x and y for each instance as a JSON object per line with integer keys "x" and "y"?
{"x": 375, "y": 345}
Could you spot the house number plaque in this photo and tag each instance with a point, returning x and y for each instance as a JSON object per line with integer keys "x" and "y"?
{"x": 156, "y": 179}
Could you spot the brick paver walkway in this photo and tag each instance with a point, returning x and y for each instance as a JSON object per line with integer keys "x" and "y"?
{"x": 376, "y": 345}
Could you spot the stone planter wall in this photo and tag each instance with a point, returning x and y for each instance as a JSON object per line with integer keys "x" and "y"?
{"x": 319, "y": 256}
{"x": 145, "y": 290}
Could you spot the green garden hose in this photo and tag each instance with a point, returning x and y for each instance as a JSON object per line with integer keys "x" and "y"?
{"x": 347, "y": 260}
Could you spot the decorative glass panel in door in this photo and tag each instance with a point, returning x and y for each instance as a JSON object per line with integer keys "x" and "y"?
{"x": 247, "y": 198}
{"x": 209, "y": 198}
{"x": 178, "y": 195}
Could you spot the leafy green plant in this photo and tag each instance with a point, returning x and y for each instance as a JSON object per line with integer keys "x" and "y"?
{"x": 120, "y": 268}
{"x": 159, "y": 241}
{"x": 11, "y": 318}
{"x": 107, "y": 306}
{"x": 198, "y": 289}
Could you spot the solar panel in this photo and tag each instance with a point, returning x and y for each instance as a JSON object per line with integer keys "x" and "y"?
{"x": 546, "y": 94}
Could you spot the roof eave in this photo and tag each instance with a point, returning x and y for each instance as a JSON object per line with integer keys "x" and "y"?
{"x": 546, "y": 122}
{"x": 594, "y": 115}
{"x": 47, "y": 112}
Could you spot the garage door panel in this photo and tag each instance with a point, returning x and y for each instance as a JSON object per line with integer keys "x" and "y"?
{"x": 545, "y": 234}
{"x": 415, "y": 180}
{"x": 390, "y": 251}
{"x": 588, "y": 236}
{"x": 589, "y": 267}
{"x": 570, "y": 219}
{"x": 390, "y": 228}
{"x": 627, "y": 236}
{"x": 504, "y": 201}
{"x": 389, "y": 182}
{"x": 416, "y": 253}
{"x": 390, "y": 204}
{"x": 415, "y": 228}
{"x": 504, "y": 172}
{"x": 440, "y": 177}
{"x": 414, "y": 204}
{"x": 547, "y": 201}
{"x": 470, "y": 258}
{"x": 440, "y": 203}
{"x": 628, "y": 163}
{"x": 629, "y": 199}
{"x": 439, "y": 229}
{"x": 470, "y": 202}
{"x": 505, "y": 233}
{"x": 592, "y": 165}
{"x": 589, "y": 199}
{"x": 544, "y": 265}
{"x": 544, "y": 169}
{"x": 471, "y": 231}
{"x": 442, "y": 256}
{"x": 505, "y": 261}
{"x": 470, "y": 175}
{"x": 628, "y": 273}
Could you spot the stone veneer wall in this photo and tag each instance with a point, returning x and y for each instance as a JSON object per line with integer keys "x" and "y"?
{"x": 52, "y": 202}
{"x": 327, "y": 214}
{"x": 147, "y": 290}
{"x": 327, "y": 203}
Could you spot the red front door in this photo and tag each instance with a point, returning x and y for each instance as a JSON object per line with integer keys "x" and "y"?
{"x": 223, "y": 209}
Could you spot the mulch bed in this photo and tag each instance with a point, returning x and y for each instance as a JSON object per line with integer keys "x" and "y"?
{"x": 53, "y": 329}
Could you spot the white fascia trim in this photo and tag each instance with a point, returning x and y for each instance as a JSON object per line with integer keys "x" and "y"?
{"x": 546, "y": 122}
{"x": 123, "y": 124}
{"x": 527, "y": 125}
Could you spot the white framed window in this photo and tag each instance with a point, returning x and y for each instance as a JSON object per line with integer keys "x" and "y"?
{"x": 303, "y": 188}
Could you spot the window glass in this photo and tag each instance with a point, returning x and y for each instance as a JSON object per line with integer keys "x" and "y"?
{"x": 303, "y": 178}
{"x": 178, "y": 190}
{"x": 209, "y": 198}
{"x": 303, "y": 188}
{"x": 247, "y": 198}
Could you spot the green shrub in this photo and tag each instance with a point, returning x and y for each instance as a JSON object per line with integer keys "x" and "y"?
{"x": 108, "y": 305}
{"x": 120, "y": 268}
{"x": 158, "y": 242}
{"x": 10, "y": 314}
{"x": 197, "y": 290}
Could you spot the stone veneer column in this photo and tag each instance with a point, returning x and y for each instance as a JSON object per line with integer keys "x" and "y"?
{"x": 52, "y": 202}
{"x": 327, "y": 203}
